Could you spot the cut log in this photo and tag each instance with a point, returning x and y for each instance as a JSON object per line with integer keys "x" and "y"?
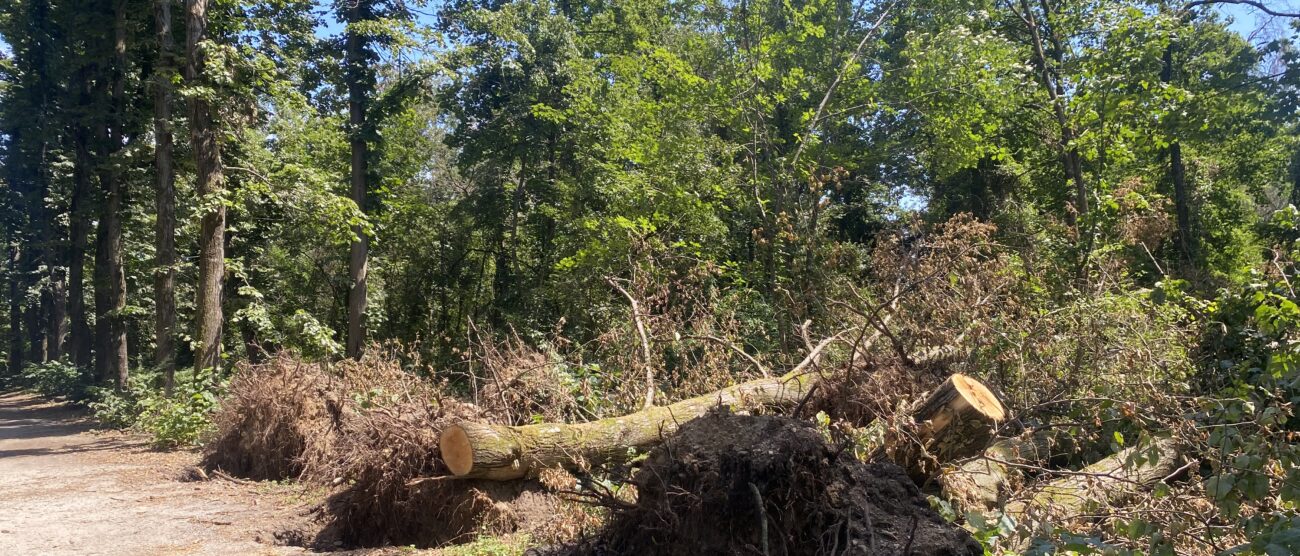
{"x": 502, "y": 452}
{"x": 955, "y": 421}
{"x": 984, "y": 483}
{"x": 1109, "y": 481}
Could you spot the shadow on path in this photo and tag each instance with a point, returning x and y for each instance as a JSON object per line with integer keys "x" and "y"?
{"x": 25, "y": 417}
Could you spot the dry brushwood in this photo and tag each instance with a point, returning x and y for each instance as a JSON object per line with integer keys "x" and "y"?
{"x": 273, "y": 415}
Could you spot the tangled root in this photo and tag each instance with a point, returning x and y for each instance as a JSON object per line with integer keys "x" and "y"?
{"x": 272, "y": 415}
{"x": 729, "y": 484}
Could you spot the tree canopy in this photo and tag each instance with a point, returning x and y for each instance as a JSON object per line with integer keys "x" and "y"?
{"x": 190, "y": 185}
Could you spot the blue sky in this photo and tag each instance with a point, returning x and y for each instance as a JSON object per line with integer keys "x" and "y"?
{"x": 1248, "y": 20}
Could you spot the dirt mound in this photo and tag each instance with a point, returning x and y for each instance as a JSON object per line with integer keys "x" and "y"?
{"x": 271, "y": 416}
{"x": 730, "y": 484}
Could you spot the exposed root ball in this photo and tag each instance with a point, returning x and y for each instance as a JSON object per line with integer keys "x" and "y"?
{"x": 370, "y": 429}
{"x": 729, "y": 484}
{"x": 272, "y": 415}
{"x": 397, "y": 490}
{"x": 389, "y": 461}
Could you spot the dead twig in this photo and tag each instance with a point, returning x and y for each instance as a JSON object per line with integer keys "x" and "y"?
{"x": 645, "y": 341}
{"x": 739, "y": 351}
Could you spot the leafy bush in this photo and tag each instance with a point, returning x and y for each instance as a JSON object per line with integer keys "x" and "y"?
{"x": 178, "y": 420}
{"x": 56, "y": 379}
{"x": 120, "y": 409}
{"x": 185, "y": 417}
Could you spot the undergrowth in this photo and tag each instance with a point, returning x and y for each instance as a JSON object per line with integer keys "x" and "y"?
{"x": 180, "y": 419}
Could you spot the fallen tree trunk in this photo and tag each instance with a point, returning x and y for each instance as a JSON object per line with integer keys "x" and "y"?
{"x": 501, "y": 452}
{"x": 954, "y": 422}
{"x": 1109, "y": 481}
{"x": 984, "y": 483}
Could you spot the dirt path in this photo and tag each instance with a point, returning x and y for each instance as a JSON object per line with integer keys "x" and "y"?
{"x": 67, "y": 490}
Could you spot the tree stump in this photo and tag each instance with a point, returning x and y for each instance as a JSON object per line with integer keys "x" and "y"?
{"x": 955, "y": 421}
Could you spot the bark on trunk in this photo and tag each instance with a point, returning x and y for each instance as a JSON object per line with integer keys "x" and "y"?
{"x": 358, "y": 257}
{"x": 15, "y": 310}
{"x": 1109, "y": 481}
{"x": 1178, "y": 172}
{"x": 99, "y": 280}
{"x": 110, "y": 322}
{"x": 56, "y": 326}
{"x": 79, "y": 336}
{"x": 984, "y": 483}
{"x": 1042, "y": 33}
{"x": 210, "y": 183}
{"x": 35, "y": 326}
{"x": 955, "y": 421}
{"x": 164, "y": 288}
{"x": 502, "y": 452}
{"x": 53, "y": 308}
{"x": 1182, "y": 202}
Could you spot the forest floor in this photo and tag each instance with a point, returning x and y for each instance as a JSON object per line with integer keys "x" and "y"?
{"x": 68, "y": 489}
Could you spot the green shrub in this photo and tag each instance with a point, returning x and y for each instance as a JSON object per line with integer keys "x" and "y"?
{"x": 185, "y": 417}
{"x": 178, "y": 420}
{"x": 120, "y": 409}
{"x": 56, "y": 379}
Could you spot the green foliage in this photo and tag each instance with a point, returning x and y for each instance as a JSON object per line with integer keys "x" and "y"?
{"x": 56, "y": 379}
{"x": 1253, "y": 344}
{"x": 120, "y": 409}
{"x": 185, "y": 417}
{"x": 737, "y": 170}
{"x": 181, "y": 419}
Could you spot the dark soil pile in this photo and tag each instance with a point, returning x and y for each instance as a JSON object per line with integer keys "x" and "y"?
{"x": 731, "y": 484}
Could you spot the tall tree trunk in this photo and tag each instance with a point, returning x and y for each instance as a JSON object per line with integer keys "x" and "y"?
{"x": 103, "y": 305}
{"x": 358, "y": 89}
{"x": 53, "y": 300}
{"x": 53, "y": 304}
{"x": 79, "y": 336}
{"x": 164, "y": 279}
{"x": 1047, "y": 63}
{"x": 35, "y": 325}
{"x": 111, "y": 323}
{"x": 56, "y": 312}
{"x": 1182, "y": 203}
{"x": 15, "y": 308}
{"x": 35, "y": 314}
{"x": 1178, "y": 174}
{"x": 210, "y": 183}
